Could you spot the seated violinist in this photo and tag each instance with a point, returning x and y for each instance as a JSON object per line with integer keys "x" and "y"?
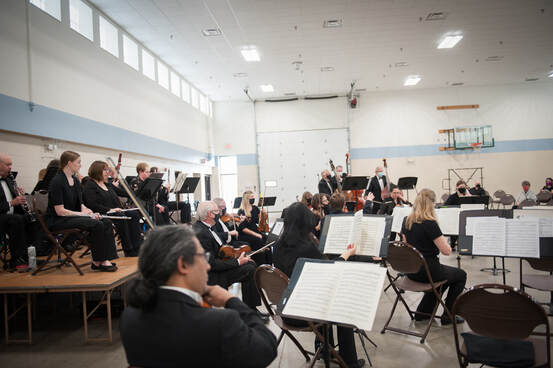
{"x": 224, "y": 272}
{"x": 227, "y": 236}
{"x": 248, "y": 229}
{"x": 395, "y": 200}
{"x": 163, "y": 200}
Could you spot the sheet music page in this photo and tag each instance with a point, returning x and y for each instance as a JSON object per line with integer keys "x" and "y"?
{"x": 471, "y": 224}
{"x": 357, "y": 294}
{"x": 398, "y": 215}
{"x": 315, "y": 288}
{"x": 448, "y": 219}
{"x": 277, "y": 229}
{"x": 339, "y": 234}
{"x": 546, "y": 227}
{"x": 523, "y": 237}
{"x": 489, "y": 237}
{"x": 546, "y": 220}
{"x": 369, "y": 236}
{"x": 472, "y": 206}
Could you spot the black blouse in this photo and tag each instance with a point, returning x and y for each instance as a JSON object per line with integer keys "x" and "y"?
{"x": 98, "y": 199}
{"x": 252, "y": 222}
{"x": 61, "y": 193}
{"x": 422, "y": 236}
{"x": 285, "y": 256}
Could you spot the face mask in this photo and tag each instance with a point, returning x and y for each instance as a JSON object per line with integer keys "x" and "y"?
{"x": 252, "y": 200}
{"x": 217, "y": 217}
{"x": 224, "y": 211}
{"x": 525, "y": 187}
{"x": 462, "y": 190}
{"x": 380, "y": 174}
{"x": 477, "y": 186}
{"x": 309, "y": 200}
{"x": 548, "y": 183}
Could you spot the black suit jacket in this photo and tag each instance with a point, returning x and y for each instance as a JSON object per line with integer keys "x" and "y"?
{"x": 4, "y": 204}
{"x": 210, "y": 245}
{"x": 323, "y": 187}
{"x": 178, "y": 332}
{"x": 374, "y": 188}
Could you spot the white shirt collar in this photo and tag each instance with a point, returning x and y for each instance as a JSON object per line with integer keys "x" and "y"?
{"x": 194, "y": 295}
{"x": 217, "y": 239}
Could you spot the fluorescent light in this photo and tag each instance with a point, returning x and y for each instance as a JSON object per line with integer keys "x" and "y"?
{"x": 250, "y": 53}
{"x": 450, "y": 41}
{"x": 412, "y": 80}
{"x": 550, "y": 75}
{"x": 332, "y": 23}
{"x": 327, "y": 68}
{"x": 267, "y": 88}
{"x": 210, "y": 32}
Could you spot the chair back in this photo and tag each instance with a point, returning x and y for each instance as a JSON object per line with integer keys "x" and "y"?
{"x": 527, "y": 203}
{"x": 271, "y": 283}
{"x": 40, "y": 202}
{"x": 506, "y": 313}
{"x": 499, "y": 194}
{"x": 541, "y": 264}
{"x": 507, "y": 200}
{"x": 404, "y": 258}
{"x": 544, "y": 196}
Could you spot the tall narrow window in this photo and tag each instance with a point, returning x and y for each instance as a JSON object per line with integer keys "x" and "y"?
{"x": 109, "y": 39}
{"x": 185, "y": 91}
{"x": 80, "y": 18}
{"x": 51, "y": 7}
{"x": 175, "y": 83}
{"x": 203, "y": 104}
{"x": 194, "y": 97}
{"x": 130, "y": 52}
{"x": 148, "y": 65}
{"x": 162, "y": 75}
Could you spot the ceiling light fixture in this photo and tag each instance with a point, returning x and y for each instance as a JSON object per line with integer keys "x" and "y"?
{"x": 494, "y": 58}
{"x": 209, "y": 32}
{"x": 550, "y": 75}
{"x": 531, "y": 79}
{"x": 412, "y": 80}
{"x": 267, "y": 88}
{"x": 457, "y": 84}
{"x": 250, "y": 53}
{"x": 332, "y": 23}
{"x": 327, "y": 68}
{"x": 240, "y": 75}
{"x": 401, "y": 64}
{"x": 436, "y": 16}
{"x": 450, "y": 40}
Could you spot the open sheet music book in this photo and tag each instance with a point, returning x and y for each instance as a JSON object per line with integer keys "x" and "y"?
{"x": 400, "y": 212}
{"x": 345, "y": 293}
{"x": 368, "y": 232}
{"x": 448, "y": 219}
{"x": 494, "y": 236}
{"x": 545, "y": 219}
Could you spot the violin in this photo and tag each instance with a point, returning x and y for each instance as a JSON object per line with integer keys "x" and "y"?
{"x": 229, "y": 252}
{"x": 228, "y": 217}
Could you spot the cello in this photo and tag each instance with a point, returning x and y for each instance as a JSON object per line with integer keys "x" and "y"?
{"x": 386, "y": 190}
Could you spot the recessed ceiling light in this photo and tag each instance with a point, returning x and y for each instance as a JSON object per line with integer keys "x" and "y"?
{"x": 412, "y": 80}
{"x": 494, "y": 58}
{"x": 240, "y": 75}
{"x": 401, "y": 64}
{"x": 250, "y": 53}
{"x": 209, "y": 32}
{"x": 531, "y": 79}
{"x": 360, "y": 90}
{"x": 457, "y": 84}
{"x": 332, "y": 23}
{"x": 450, "y": 40}
{"x": 436, "y": 16}
{"x": 550, "y": 75}
{"x": 327, "y": 68}
{"x": 267, "y": 88}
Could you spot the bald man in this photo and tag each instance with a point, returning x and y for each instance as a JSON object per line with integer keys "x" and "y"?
{"x": 376, "y": 185}
{"x": 12, "y": 216}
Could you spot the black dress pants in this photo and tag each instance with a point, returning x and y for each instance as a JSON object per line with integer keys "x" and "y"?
{"x": 456, "y": 279}
{"x": 101, "y": 240}
{"x": 129, "y": 231}
{"x": 242, "y": 274}
{"x": 14, "y": 226}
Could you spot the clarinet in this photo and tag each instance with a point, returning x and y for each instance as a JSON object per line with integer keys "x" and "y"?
{"x": 28, "y": 213}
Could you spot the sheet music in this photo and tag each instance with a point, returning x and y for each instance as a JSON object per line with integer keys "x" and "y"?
{"x": 489, "y": 237}
{"x": 277, "y": 228}
{"x": 339, "y": 234}
{"x": 546, "y": 227}
{"x": 398, "y": 215}
{"x": 357, "y": 294}
{"x": 472, "y": 206}
{"x": 546, "y": 220}
{"x": 448, "y": 219}
{"x": 369, "y": 236}
{"x": 523, "y": 237}
{"x": 471, "y": 224}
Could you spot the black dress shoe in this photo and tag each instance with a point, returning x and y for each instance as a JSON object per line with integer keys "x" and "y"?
{"x": 447, "y": 321}
{"x": 102, "y": 268}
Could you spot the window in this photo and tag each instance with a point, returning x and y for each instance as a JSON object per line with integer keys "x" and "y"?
{"x": 130, "y": 52}
{"x": 162, "y": 75}
{"x": 194, "y": 97}
{"x": 228, "y": 169}
{"x": 210, "y": 109}
{"x": 175, "y": 84}
{"x": 80, "y": 18}
{"x": 109, "y": 38}
{"x": 148, "y": 65}
{"x": 203, "y": 104}
{"x": 51, "y": 7}
{"x": 185, "y": 91}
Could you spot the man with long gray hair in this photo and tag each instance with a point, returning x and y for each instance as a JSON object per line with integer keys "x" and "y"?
{"x": 165, "y": 325}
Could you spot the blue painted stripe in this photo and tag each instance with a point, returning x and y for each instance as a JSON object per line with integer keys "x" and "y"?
{"x": 43, "y": 121}
{"x": 246, "y": 159}
{"x": 434, "y": 149}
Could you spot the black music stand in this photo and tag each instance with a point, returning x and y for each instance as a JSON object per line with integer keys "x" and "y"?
{"x": 266, "y": 201}
{"x": 189, "y": 186}
{"x": 354, "y": 183}
{"x": 148, "y": 190}
{"x": 237, "y": 203}
{"x": 407, "y": 183}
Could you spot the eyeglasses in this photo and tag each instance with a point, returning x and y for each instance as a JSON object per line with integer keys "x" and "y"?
{"x": 205, "y": 255}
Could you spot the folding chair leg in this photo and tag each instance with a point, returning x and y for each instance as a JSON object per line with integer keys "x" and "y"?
{"x": 427, "y": 329}
{"x": 297, "y": 343}
{"x": 391, "y": 315}
{"x": 280, "y": 337}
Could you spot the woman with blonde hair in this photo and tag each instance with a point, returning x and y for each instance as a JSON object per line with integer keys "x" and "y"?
{"x": 247, "y": 230}
{"x": 421, "y": 230}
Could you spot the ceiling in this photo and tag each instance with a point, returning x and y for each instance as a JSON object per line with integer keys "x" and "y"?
{"x": 374, "y": 36}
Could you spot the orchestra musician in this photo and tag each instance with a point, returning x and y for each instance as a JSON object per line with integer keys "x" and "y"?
{"x": 224, "y": 272}
{"x": 325, "y": 184}
{"x": 421, "y": 230}
{"x": 164, "y": 324}
{"x": 163, "y": 200}
{"x": 461, "y": 190}
{"x": 526, "y": 193}
{"x": 548, "y": 184}
{"x": 51, "y": 170}
{"x": 339, "y": 177}
{"x": 295, "y": 242}
{"x": 395, "y": 200}
{"x": 376, "y": 185}
{"x": 318, "y": 210}
{"x": 66, "y": 210}
{"x": 306, "y": 198}
{"x": 13, "y": 221}
{"x": 248, "y": 231}
{"x": 100, "y": 197}
{"x": 478, "y": 190}
{"x": 143, "y": 173}
{"x": 228, "y": 236}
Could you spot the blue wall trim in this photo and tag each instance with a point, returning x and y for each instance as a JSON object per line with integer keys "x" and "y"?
{"x": 247, "y": 159}
{"x": 43, "y": 121}
{"x": 434, "y": 149}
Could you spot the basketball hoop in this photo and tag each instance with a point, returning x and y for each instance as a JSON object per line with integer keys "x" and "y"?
{"x": 476, "y": 146}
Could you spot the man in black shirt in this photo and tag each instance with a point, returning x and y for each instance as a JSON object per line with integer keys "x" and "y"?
{"x": 376, "y": 186}
{"x": 325, "y": 184}
{"x": 163, "y": 200}
{"x": 478, "y": 190}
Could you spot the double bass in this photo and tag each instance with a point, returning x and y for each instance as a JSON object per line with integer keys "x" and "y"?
{"x": 386, "y": 190}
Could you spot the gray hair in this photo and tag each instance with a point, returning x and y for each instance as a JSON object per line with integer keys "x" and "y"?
{"x": 158, "y": 261}
{"x": 203, "y": 209}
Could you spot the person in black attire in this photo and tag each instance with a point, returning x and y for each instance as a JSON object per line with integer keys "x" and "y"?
{"x": 51, "y": 171}
{"x": 13, "y": 221}
{"x": 376, "y": 185}
{"x": 296, "y": 242}
{"x": 339, "y": 177}
{"x": 247, "y": 229}
{"x": 66, "y": 210}
{"x": 548, "y": 185}
{"x": 224, "y": 272}
{"x": 478, "y": 190}
{"x": 460, "y": 191}
{"x": 101, "y": 198}
{"x": 326, "y": 186}
{"x": 227, "y": 236}
{"x": 163, "y": 200}
{"x": 422, "y": 231}
{"x": 161, "y": 216}
{"x": 165, "y": 325}
{"x": 395, "y": 200}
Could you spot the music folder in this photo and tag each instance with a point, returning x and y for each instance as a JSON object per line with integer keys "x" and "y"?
{"x": 338, "y": 292}
{"x": 355, "y": 183}
{"x": 408, "y": 182}
{"x": 266, "y": 201}
{"x": 276, "y": 230}
{"x": 237, "y": 202}
{"x": 369, "y": 233}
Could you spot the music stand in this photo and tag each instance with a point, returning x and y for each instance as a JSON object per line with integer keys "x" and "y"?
{"x": 129, "y": 178}
{"x": 407, "y": 183}
{"x": 189, "y": 186}
{"x": 266, "y": 201}
{"x": 354, "y": 183}
{"x": 475, "y": 200}
{"x": 237, "y": 203}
